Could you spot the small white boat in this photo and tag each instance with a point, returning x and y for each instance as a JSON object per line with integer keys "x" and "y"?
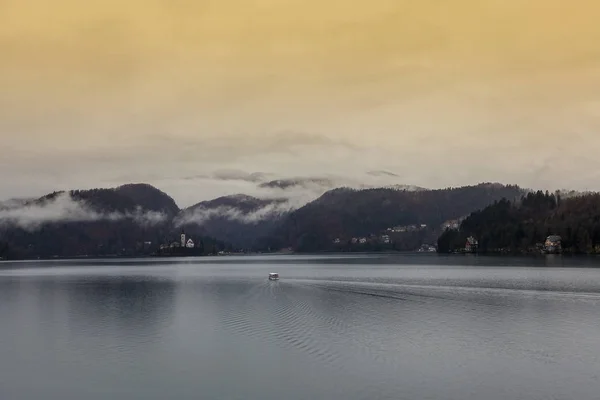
{"x": 273, "y": 276}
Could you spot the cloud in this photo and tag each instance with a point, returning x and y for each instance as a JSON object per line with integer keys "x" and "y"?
{"x": 191, "y": 187}
{"x": 237, "y": 175}
{"x": 297, "y": 182}
{"x": 382, "y": 173}
{"x": 282, "y": 196}
{"x": 31, "y": 216}
{"x": 201, "y": 214}
{"x": 299, "y": 191}
{"x": 480, "y": 91}
{"x": 13, "y": 203}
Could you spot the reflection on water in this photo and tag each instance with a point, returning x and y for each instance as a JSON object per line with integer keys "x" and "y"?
{"x": 415, "y": 327}
{"x": 123, "y": 304}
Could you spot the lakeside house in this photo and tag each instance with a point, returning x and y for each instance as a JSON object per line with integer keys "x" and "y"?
{"x": 427, "y": 248}
{"x": 407, "y": 228}
{"x": 471, "y": 245}
{"x": 452, "y": 224}
{"x": 553, "y": 244}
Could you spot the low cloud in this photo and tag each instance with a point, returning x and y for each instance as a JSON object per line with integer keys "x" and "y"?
{"x": 31, "y": 216}
{"x": 201, "y": 214}
{"x": 302, "y": 190}
{"x": 284, "y": 195}
{"x": 13, "y": 203}
{"x": 191, "y": 188}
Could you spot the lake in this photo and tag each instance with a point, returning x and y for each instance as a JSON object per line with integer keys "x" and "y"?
{"x": 334, "y": 327}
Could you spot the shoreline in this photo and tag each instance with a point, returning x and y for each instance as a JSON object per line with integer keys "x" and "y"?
{"x": 323, "y": 253}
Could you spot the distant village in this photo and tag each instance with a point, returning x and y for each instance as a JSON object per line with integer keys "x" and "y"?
{"x": 552, "y": 244}
{"x": 387, "y": 237}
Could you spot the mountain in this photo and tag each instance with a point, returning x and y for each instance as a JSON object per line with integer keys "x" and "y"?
{"x": 149, "y": 198}
{"x": 347, "y": 213}
{"x": 128, "y": 220}
{"x": 237, "y": 219}
{"x": 323, "y": 184}
{"x": 136, "y": 219}
{"x": 522, "y": 226}
{"x": 123, "y": 199}
{"x": 241, "y": 202}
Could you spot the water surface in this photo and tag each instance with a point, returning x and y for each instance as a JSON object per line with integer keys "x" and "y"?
{"x": 335, "y": 327}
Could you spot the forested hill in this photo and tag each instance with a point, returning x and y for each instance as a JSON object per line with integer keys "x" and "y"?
{"x": 521, "y": 226}
{"x": 137, "y": 219}
{"x": 238, "y": 219}
{"x": 346, "y": 213}
{"x": 128, "y": 220}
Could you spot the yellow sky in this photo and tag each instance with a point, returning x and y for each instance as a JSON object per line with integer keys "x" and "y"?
{"x": 405, "y": 83}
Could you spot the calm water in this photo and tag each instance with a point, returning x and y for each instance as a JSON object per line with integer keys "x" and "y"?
{"x": 404, "y": 327}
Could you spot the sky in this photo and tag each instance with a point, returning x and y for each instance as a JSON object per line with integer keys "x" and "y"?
{"x": 184, "y": 93}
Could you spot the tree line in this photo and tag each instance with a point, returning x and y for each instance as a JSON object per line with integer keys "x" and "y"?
{"x": 521, "y": 226}
{"x": 349, "y": 213}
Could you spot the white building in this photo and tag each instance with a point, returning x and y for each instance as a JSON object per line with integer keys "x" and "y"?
{"x": 189, "y": 244}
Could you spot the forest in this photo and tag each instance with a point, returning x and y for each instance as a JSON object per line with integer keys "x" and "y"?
{"x": 347, "y": 213}
{"x": 522, "y": 225}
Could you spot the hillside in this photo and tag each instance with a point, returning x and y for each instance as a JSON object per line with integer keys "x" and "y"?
{"x": 128, "y": 220}
{"x": 137, "y": 219}
{"x": 522, "y": 226}
{"x": 347, "y": 213}
{"x": 149, "y": 198}
{"x": 237, "y": 219}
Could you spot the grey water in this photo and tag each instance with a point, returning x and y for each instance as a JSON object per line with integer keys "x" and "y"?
{"x": 333, "y": 327}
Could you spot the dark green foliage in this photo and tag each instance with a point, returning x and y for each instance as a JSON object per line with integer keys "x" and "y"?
{"x": 4, "y": 250}
{"x": 450, "y": 241}
{"x": 149, "y": 198}
{"x": 126, "y": 198}
{"x": 519, "y": 227}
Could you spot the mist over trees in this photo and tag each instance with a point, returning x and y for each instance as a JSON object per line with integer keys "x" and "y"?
{"x": 135, "y": 220}
{"x": 130, "y": 220}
